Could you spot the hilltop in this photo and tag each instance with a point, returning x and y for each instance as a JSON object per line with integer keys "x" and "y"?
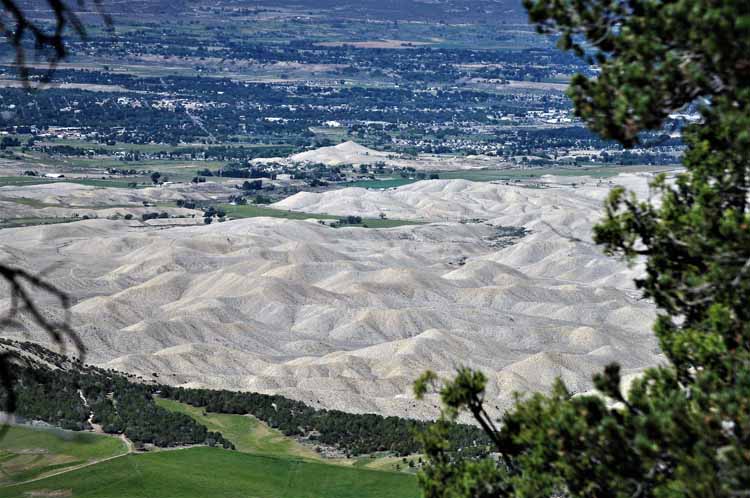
{"x": 344, "y": 153}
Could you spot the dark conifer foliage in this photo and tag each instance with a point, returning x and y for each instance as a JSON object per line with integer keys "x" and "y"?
{"x": 63, "y": 392}
{"x": 354, "y": 433}
{"x": 682, "y": 429}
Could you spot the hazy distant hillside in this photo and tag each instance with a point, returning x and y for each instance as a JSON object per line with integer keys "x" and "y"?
{"x": 139, "y": 7}
{"x": 413, "y": 9}
{"x": 448, "y": 10}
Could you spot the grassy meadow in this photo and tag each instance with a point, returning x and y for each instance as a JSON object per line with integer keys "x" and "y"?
{"x": 490, "y": 175}
{"x": 382, "y": 183}
{"x": 20, "y": 181}
{"x": 266, "y": 464}
{"x": 248, "y": 434}
{"x": 210, "y": 472}
{"x": 27, "y": 453}
{"x": 254, "y": 211}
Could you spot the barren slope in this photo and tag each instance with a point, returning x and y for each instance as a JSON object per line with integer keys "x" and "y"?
{"x": 347, "y": 318}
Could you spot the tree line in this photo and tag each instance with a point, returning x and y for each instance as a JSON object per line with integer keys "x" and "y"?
{"x": 356, "y": 434}
{"x": 65, "y": 393}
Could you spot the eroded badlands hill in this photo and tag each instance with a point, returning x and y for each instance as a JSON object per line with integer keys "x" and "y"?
{"x": 347, "y": 318}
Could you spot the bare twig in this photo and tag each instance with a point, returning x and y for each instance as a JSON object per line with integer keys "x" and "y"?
{"x": 23, "y": 285}
{"x": 16, "y": 26}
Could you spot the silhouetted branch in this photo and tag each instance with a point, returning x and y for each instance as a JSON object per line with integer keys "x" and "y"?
{"x": 16, "y": 26}
{"x": 23, "y": 285}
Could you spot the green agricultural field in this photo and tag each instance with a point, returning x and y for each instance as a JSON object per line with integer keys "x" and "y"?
{"x": 33, "y": 203}
{"x": 492, "y": 175}
{"x": 248, "y": 434}
{"x": 29, "y": 222}
{"x": 26, "y": 453}
{"x": 254, "y": 211}
{"x": 382, "y": 183}
{"x": 211, "y": 472}
{"x": 489, "y": 175}
{"x": 16, "y": 181}
{"x": 390, "y": 463}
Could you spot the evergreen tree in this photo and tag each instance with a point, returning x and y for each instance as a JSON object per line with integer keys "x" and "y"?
{"x": 683, "y": 429}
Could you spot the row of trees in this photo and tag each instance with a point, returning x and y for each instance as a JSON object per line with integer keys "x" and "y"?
{"x": 68, "y": 396}
{"x": 132, "y": 411}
